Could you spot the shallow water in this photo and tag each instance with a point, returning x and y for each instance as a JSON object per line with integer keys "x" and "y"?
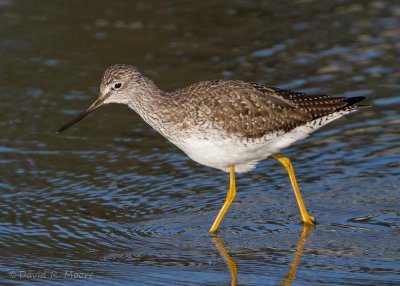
{"x": 111, "y": 202}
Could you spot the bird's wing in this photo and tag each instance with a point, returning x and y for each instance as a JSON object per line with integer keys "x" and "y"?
{"x": 253, "y": 110}
{"x": 318, "y": 105}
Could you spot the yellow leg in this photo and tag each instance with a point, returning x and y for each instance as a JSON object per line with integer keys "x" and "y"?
{"x": 307, "y": 219}
{"x": 229, "y": 199}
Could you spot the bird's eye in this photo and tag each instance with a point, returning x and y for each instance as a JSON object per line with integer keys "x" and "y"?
{"x": 117, "y": 85}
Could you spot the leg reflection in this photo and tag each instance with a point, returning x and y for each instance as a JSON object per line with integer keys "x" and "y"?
{"x": 230, "y": 262}
{"x": 296, "y": 260}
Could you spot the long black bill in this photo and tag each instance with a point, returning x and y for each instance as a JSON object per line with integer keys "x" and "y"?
{"x": 81, "y": 115}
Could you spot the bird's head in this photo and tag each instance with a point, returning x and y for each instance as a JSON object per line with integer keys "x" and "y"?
{"x": 120, "y": 84}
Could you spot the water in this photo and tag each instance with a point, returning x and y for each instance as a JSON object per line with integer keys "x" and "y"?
{"x": 111, "y": 202}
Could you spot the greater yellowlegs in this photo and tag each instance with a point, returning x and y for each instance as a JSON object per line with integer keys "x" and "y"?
{"x": 229, "y": 125}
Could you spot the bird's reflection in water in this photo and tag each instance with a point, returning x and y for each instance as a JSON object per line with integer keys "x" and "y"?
{"x": 231, "y": 263}
{"x": 299, "y": 251}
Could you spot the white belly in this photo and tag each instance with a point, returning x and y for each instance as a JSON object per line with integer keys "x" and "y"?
{"x": 219, "y": 150}
{"x": 234, "y": 151}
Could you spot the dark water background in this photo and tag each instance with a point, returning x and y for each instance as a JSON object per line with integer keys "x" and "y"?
{"x": 112, "y": 199}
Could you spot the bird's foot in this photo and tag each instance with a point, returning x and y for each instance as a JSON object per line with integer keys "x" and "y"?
{"x": 309, "y": 220}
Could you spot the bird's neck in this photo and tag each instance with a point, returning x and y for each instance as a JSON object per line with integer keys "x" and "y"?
{"x": 152, "y": 104}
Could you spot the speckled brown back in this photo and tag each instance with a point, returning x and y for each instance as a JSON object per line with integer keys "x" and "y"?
{"x": 253, "y": 110}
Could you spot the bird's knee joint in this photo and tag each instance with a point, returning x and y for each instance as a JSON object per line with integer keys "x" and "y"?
{"x": 285, "y": 161}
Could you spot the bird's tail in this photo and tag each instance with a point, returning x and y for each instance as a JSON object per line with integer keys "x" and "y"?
{"x": 352, "y": 102}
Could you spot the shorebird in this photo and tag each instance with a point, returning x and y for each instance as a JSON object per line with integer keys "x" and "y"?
{"x": 229, "y": 125}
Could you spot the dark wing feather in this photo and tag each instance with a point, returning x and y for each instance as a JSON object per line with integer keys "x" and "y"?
{"x": 319, "y": 105}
